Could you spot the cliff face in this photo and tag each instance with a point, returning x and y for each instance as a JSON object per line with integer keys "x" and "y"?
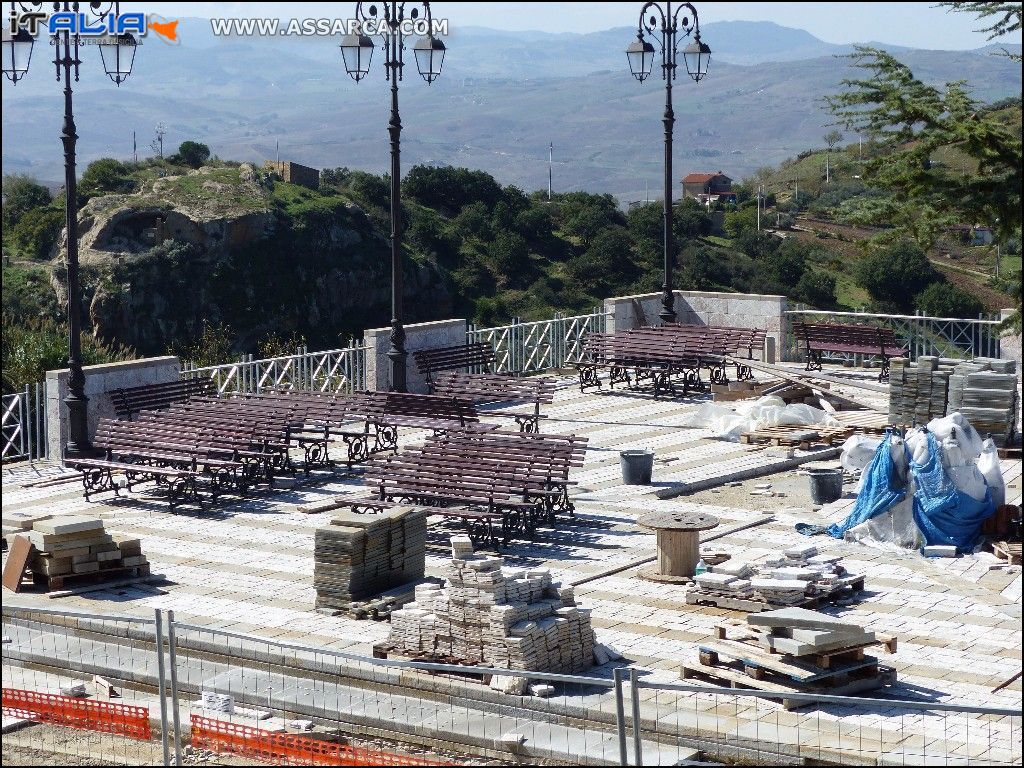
{"x": 229, "y": 246}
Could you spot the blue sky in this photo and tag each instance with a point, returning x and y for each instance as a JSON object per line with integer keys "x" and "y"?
{"x": 917, "y": 25}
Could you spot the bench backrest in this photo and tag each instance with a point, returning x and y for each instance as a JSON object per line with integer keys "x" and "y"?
{"x": 460, "y": 357}
{"x": 409, "y": 405}
{"x": 128, "y": 401}
{"x": 848, "y": 333}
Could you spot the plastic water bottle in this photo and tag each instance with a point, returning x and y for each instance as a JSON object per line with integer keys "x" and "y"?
{"x": 702, "y": 567}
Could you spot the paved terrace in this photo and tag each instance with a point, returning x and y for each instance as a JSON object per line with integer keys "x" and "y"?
{"x": 247, "y": 567}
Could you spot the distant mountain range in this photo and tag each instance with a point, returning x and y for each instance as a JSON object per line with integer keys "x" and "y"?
{"x": 503, "y": 96}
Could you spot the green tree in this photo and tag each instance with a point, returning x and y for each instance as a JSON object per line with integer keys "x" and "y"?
{"x": 192, "y": 153}
{"x": 606, "y": 264}
{"x": 818, "y": 289}
{"x": 37, "y": 232}
{"x": 897, "y": 274}
{"x": 104, "y": 176}
{"x": 741, "y": 221}
{"x": 942, "y": 299}
{"x": 21, "y": 194}
{"x": 510, "y": 258}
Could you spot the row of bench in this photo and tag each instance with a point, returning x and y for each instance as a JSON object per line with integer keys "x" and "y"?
{"x": 500, "y": 485}
{"x": 662, "y": 354}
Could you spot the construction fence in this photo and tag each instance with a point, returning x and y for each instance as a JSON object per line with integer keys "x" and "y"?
{"x": 126, "y": 690}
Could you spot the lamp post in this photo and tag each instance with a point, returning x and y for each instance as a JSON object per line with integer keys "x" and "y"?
{"x": 393, "y": 21}
{"x": 117, "y": 54}
{"x": 666, "y": 26}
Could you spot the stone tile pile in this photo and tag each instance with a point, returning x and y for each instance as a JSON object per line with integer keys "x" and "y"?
{"x": 799, "y": 632}
{"x": 74, "y": 545}
{"x": 984, "y": 391}
{"x": 800, "y": 573}
{"x": 505, "y": 618}
{"x": 358, "y": 555}
{"x": 918, "y": 391}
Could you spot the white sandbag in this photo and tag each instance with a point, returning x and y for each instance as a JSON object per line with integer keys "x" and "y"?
{"x": 955, "y": 425}
{"x": 988, "y": 465}
{"x": 917, "y": 444}
{"x": 718, "y": 419}
{"x": 858, "y": 451}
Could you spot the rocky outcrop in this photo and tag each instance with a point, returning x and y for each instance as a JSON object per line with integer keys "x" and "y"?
{"x": 210, "y": 247}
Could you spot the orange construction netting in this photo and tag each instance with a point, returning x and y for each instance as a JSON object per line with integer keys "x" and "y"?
{"x": 85, "y": 714}
{"x": 288, "y": 749}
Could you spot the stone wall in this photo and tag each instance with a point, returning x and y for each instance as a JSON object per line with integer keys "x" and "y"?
{"x": 295, "y": 173}
{"x": 737, "y": 310}
{"x": 100, "y": 380}
{"x": 440, "y": 333}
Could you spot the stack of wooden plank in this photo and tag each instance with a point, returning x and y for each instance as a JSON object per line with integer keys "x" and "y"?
{"x": 68, "y": 550}
{"x": 802, "y": 437}
{"x": 359, "y": 555}
{"x": 794, "y": 650}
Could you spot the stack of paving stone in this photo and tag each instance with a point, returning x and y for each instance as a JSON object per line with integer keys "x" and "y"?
{"x": 800, "y": 574}
{"x": 359, "y": 555}
{"x": 984, "y": 391}
{"x": 918, "y": 391}
{"x": 75, "y": 545}
{"x": 503, "y": 618}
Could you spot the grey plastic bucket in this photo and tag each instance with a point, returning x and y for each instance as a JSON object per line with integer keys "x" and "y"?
{"x": 826, "y": 485}
{"x": 637, "y": 467}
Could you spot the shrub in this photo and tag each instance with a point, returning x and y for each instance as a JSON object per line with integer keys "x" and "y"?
{"x": 192, "y": 153}
{"x": 897, "y": 274}
{"x": 942, "y": 299}
{"x": 22, "y": 194}
{"x": 37, "y": 232}
{"x": 103, "y": 176}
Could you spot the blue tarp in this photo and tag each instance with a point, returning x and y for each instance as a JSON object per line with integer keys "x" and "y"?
{"x": 944, "y": 514}
{"x": 882, "y": 487}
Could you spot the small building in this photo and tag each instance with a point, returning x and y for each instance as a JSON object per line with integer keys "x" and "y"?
{"x": 294, "y": 173}
{"x": 708, "y": 188}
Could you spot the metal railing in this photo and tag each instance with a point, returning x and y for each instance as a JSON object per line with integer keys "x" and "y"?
{"x": 541, "y": 345}
{"x": 332, "y": 370}
{"x": 947, "y": 337}
{"x": 388, "y": 708}
{"x": 24, "y": 424}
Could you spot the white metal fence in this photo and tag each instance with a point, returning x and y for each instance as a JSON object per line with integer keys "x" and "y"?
{"x": 538, "y": 346}
{"x": 24, "y": 424}
{"x": 332, "y": 370}
{"x": 948, "y": 337}
{"x": 187, "y": 678}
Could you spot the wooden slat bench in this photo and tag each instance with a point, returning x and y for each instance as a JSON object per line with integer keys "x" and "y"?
{"x": 129, "y": 401}
{"x": 850, "y": 338}
{"x": 485, "y": 388}
{"x": 457, "y": 358}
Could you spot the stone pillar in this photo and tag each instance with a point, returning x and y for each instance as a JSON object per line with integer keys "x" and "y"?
{"x": 100, "y": 380}
{"x": 440, "y": 333}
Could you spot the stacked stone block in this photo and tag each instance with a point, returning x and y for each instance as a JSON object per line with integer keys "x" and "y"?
{"x": 508, "y": 619}
{"x": 361, "y": 555}
{"x": 75, "y": 545}
{"x": 984, "y": 391}
{"x": 918, "y": 391}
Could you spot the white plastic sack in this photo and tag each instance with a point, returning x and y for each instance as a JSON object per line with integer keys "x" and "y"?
{"x": 988, "y": 466}
{"x": 770, "y": 411}
{"x": 858, "y": 451}
{"x": 956, "y": 426}
{"x": 895, "y": 526}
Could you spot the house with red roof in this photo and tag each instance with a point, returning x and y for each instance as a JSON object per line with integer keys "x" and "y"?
{"x": 708, "y": 187}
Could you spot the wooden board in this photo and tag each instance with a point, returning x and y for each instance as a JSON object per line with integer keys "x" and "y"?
{"x": 1010, "y": 551}
{"x": 752, "y": 655}
{"x": 798, "y": 437}
{"x": 802, "y": 377}
{"x": 867, "y": 422}
{"x": 737, "y": 679}
{"x": 17, "y": 562}
{"x": 99, "y": 578}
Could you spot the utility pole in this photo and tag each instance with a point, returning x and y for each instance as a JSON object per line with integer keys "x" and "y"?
{"x": 551, "y": 150}
{"x": 135, "y": 149}
{"x": 758, "y": 207}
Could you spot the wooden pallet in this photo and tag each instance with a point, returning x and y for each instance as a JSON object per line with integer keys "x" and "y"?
{"x": 740, "y": 631}
{"x": 1010, "y": 551}
{"x": 797, "y": 437}
{"x": 847, "y": 588}
{"x": 735, "y": 678}
{"x": 865, "y": 422}
{"x": 385, "y": 650}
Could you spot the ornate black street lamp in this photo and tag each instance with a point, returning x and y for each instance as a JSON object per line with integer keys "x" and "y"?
{"x": 117, "y": 53}
{"x": 394, "y": 21}
{"x": 666, "y": 26}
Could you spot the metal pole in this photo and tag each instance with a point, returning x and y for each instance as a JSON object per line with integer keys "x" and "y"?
{"x": 620, "y": 717}
{"x": 77, "y": 403}
{"x": 634, "y": 694}
{"x": 668, "y": 300}
{"x": 396, "y": 353}
{"x": 172, "y": 658}
{"x": 160, "y": 686}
